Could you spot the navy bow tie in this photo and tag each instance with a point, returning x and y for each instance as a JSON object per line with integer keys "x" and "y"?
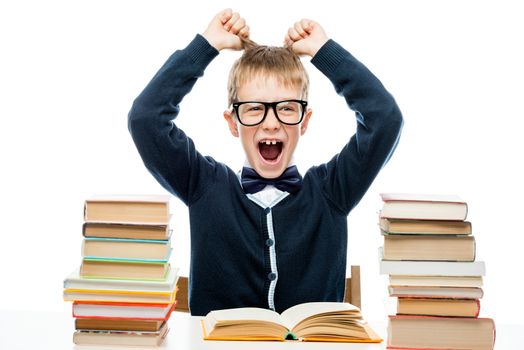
{"x": 290, "y": 180}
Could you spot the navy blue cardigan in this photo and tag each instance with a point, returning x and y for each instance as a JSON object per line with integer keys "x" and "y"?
{"x": 244, "y": 253}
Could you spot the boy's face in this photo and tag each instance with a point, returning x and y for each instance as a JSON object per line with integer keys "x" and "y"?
{"x": 269, "y": 146}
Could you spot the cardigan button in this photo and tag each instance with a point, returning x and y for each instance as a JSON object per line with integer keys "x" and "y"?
{"x": 272, "y": 276}
{"x": 269, "y": 242}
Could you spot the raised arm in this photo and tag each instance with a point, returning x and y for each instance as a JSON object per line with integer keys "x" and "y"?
{"x": 349, "y": 174}
{"x": 167, "y": 152}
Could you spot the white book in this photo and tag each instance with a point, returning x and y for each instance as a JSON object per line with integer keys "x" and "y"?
{"x": 75, "y": 281}
{"x": 160, "y": 312}
{"x": 436, "y": 292}
{"x": 435, "y": 281}
{"x": 431, "y": 268}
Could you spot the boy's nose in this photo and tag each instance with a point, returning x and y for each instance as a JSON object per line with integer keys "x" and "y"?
{"x": 271, "y": 122}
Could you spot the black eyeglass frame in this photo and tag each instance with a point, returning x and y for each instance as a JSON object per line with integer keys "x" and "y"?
{"x": 273, "y": 105}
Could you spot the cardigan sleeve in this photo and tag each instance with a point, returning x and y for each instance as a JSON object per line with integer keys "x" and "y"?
{"x": 167, "y": 152}
{"x": 348, "y": 175}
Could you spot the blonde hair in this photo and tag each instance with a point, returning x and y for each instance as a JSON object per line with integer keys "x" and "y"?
{"x": 267, "y": 61}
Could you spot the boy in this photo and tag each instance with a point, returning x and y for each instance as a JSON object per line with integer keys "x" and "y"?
{"x": 279, "y": 240}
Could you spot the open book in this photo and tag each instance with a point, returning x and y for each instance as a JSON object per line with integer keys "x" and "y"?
{"x": 318, "y": 321}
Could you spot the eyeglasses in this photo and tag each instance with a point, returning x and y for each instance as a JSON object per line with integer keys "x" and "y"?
{"x": 289, "y": 112}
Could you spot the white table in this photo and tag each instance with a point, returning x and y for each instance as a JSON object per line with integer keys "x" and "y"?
{"x": 53, "y": 330}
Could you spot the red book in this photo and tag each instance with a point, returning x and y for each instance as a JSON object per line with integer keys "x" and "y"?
{"x": 130, "y": 311}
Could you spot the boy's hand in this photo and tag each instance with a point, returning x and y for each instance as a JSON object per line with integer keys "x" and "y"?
{"x": 226, "y": 31}
{"x": 306, "y": 37}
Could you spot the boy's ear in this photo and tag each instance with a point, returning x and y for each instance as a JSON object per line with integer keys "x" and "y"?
{"x": 305, "y": 121}
{"x": 231, "y": 122}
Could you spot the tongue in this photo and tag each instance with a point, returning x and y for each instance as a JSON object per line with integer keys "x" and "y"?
{"x": 270, "y": 152}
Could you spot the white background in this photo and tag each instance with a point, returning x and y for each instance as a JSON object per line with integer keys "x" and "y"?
{"x": 70, "y": 70}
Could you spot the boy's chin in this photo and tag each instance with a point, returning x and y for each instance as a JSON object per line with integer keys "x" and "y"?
{"x": 270, "y": 173}
{"x": 270, "y": 170}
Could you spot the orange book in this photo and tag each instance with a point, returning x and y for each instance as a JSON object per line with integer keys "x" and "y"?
{"x": 316, "y": 321}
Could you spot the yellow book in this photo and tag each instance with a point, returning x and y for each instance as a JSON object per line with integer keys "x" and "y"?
{"x": 129, "y": 296}
{"x": 316, "y": 321}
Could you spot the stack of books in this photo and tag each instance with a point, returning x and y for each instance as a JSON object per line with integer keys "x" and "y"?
{"x": 429, "y": 254}
{"x": 124, "y": 291}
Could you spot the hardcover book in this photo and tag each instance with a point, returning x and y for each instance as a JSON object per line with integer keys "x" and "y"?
{"x": 125, "y": 209}
{"x": 126, "y": 249}
{"x": 431, "y": 227}
{"x": 132, "y": 269}
{"x": 77, "y": 288}
{"x": 130, "y": 230}
{"x": 438, "y": 307}
{"x": 131, "y": 311}
{"x": 433, "y": 268}
{"x": 75, "y": 281}
{"x": 429, "y": 247}
{"x": 110, "y": 324}
{"x": 424, "y": 332}
{"x": 423, "y": 207}
{"x": 121, "y": 338}
{"x": 435, "y": 281}
{"x": 436, "y": 292}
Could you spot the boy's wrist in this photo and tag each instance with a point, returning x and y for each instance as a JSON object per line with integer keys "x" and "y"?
{"x": 319, "y": 48}
{"x": 211, "y": 40}
{"x": 316, "y": 48}
{"x": 201, "y": 51}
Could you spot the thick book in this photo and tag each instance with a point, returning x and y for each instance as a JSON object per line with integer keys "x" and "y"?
{"x": 132, "y": 269}
{"x": 110, "y": 324}
{"x": 433, "y": 227}
{"x": 433, "y": 268}
{"x": 131, "y": 231}
{"x": 126, "y": 249}
{"x": 436, "y": 292}
{"x": 137, "y": 209}
{"x": 77, "y": 288}
{"x": 316, "y": 321}
{"x": 435, "y": 281}
{"x": 429, "y": 247}
{"x": 131, "y": 311}
{"x": 423, "y": 332}
{"x": 438, "y": 307}
{"x": 423, "y": 207}
{"x": 120, "y": 338}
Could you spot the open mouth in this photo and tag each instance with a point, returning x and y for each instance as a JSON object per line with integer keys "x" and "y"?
{"x": 270, "y": 150}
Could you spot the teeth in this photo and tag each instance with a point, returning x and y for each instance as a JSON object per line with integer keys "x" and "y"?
{"x": 269, "y": 142}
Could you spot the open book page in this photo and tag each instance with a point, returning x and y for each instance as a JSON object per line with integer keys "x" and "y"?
{"x": 243, "y": 324}
{"x": 240, "y": 315}
{"x": 246, "y": 313}
{"x": 292, "y": 316}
